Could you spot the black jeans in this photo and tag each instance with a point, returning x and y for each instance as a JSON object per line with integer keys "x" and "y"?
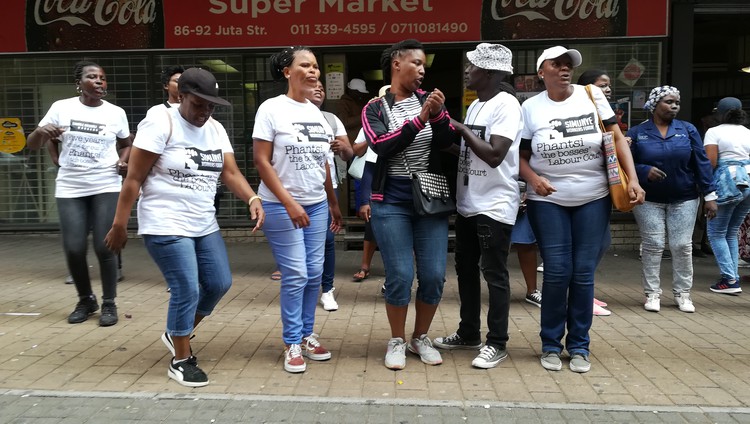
{"x": 77, "y": 216}
{"x": 483, "y": 242}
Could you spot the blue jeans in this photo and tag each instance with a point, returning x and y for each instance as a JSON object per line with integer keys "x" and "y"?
{"x": 570, "y": 241}
{"x": 403, "y": 237}
{"x": 197, "y": 273}
{"x": 299, "y": 256}
{"x": 77, "y": 216}
{"x": 723, "y": 232}
{"x": 329, "y": 261}
{"x": 483, "y": 243}
{"x": 656, "y": 222}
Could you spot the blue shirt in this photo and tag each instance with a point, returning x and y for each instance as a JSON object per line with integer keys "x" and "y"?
{"x": 680, "y": 155}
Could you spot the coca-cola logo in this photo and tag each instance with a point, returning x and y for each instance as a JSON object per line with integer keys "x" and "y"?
{"x": 562, "y": 9}
{"x": 78, "y": 12}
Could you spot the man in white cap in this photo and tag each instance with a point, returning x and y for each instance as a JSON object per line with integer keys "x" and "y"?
{"x": 350, "y": 106}
{"x": 487, "y": 202}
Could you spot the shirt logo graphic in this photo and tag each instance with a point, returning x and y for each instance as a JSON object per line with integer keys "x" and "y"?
{"x": 204, "y": 160}
{"x": 576, "y": 125}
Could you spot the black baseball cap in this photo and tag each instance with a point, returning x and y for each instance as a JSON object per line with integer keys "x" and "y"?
{"x": 202, "y": 83}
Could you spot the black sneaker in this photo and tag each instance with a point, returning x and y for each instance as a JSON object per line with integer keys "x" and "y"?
{"x": 109, "y": 315}
{"x": 167, "y": 340}
{"x": 84, "y": 308}
{"x": 454, "y": 341}
{"x": 187, "y": 373}
{"x": 535, "y": 298}
{"x": 489, "y": 356}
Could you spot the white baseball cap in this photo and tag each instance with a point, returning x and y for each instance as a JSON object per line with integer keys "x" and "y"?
{"x": 557, "y": 51}
{"x": 358, "y": 85}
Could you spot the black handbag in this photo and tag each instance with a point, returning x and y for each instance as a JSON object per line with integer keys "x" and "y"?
{"x": 431, "y": 194}
{"x": 430, "y": 191}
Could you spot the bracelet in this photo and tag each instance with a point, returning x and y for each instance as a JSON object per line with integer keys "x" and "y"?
{"x": 256, "y": 197}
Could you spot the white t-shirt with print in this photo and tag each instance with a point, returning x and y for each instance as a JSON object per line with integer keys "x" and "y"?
{"x": 566, "y": 145}
{"x": 339, "y": 131}
{"x": 161, "y": 107}
{"x": 88, "y": 155}
{"x": 733, "y": 142}
{"x": 370, "y": 155}
{"x": 301, "y": 140}
{"x": 178, "y": 193}
{"x": 482, "y": 189}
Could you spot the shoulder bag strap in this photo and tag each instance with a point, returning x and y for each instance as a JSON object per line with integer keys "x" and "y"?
{"x": 596, "y": 108}
{"x": 169, "y": 118}
{"x": 392, "y": 127}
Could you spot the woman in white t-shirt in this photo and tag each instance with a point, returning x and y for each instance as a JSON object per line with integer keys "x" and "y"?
{"x": 178, "y": 157}
{"x": 291, "y": 140}
{"x": 568, "y": 200}
{"x": 728, "y": 148}
{"x": 93, "y": 138}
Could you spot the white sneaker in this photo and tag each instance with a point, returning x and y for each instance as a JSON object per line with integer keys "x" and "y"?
{"x": 423, "y": 348}
{"x": 601, "y": 312}
{"x": 653, "y": 304}
{"x": 328, "y": 301}
{"x": 395, "y": 354}
{"x": 684, "y": 302}
{"x": 540, "y": 268}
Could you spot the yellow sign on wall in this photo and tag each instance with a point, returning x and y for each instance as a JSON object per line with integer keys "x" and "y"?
{"x": 12, "y": 140}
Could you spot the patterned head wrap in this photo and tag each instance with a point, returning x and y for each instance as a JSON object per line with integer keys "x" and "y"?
{"x": 657, "y": 94}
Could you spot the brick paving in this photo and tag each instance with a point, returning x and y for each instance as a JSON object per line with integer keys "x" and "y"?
{"x": 646, "y": 367}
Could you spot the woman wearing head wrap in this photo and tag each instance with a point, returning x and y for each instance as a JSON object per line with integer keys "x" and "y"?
{"x": 674, "y": 170}
{"x": 728, "y": 149}
{"x": 568, "y": 201}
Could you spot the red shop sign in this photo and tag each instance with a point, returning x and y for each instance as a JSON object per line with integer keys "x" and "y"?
{"x": 258, "y": 23}
{"x": 68, "y": 25}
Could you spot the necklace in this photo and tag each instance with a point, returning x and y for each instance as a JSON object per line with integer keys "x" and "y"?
{"x": 468, "y": 113}
{"x": 471, "y": 127}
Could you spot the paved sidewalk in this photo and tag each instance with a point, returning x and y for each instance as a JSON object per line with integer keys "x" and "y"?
{"x": 687, "y": 367}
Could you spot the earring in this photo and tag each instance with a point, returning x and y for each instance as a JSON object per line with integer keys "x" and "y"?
{"x": 104, "y": 94}
{"x": 78, "y": 89}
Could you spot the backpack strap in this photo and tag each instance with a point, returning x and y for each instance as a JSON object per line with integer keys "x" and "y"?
{"x": 169, "y": 118}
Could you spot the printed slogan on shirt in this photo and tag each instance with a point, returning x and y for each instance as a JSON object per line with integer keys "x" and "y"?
{"x": 574, "y": 150}
{"x": 464, "y": 160}
{"x": 87, "y": 143}
{"x": 211, "y": 162}
{"x": 309, "y": 156}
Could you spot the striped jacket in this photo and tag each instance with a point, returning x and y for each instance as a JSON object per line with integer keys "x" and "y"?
{"x": 388, "y": 144}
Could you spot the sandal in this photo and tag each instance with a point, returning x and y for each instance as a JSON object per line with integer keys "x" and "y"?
{"x": 276, "y": 275}
{"x": 362, "y": 274}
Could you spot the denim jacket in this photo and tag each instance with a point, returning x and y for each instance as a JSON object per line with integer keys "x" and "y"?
{"x": 726, "y": 185}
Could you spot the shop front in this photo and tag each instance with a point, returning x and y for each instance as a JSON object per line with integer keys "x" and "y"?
{"x": 134, "y": 40}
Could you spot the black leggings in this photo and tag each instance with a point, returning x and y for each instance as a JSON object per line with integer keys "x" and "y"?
{"x": 77, "y": 216}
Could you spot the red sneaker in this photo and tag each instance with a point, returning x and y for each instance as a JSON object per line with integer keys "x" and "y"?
{"x": 312, "y": 349}
{"x": 293, "y": 360}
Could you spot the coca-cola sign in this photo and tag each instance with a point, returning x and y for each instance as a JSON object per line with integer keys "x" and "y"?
{"x": 534, "y": 19}
{"x": 94, "y": 24}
